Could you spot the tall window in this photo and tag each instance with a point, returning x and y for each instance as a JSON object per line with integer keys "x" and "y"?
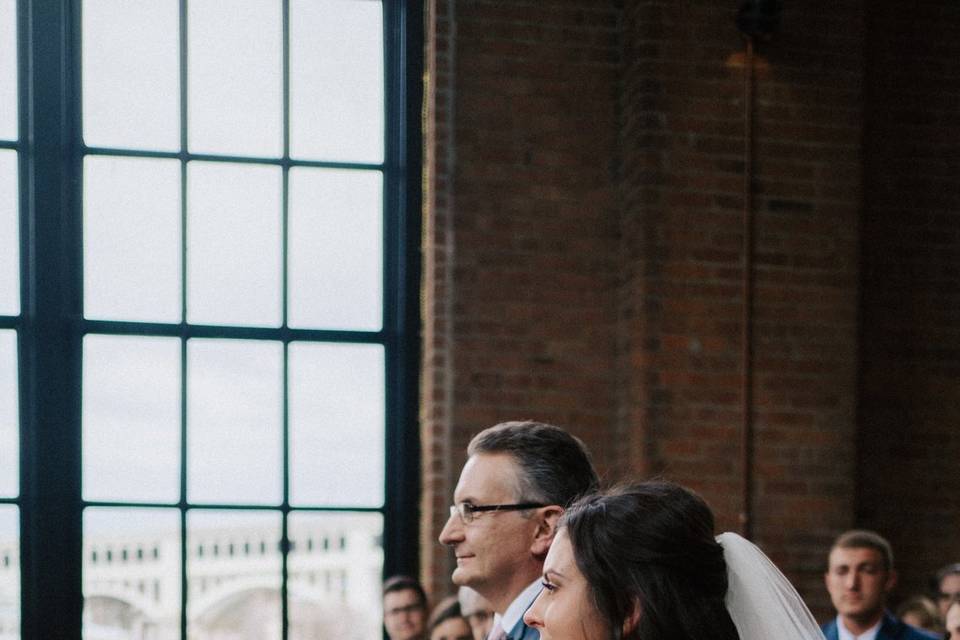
{"x": 208, "y": 315}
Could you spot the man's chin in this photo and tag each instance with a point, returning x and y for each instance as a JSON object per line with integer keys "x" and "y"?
{"x": 461, "y": 577}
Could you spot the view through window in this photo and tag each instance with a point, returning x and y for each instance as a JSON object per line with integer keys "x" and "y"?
{"x": 239, "y": 334}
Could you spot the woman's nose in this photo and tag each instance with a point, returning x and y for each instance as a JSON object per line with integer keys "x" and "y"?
{"x": 534, "y": 616}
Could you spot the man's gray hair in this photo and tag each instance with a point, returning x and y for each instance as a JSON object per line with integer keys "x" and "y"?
{"x": 554, "y": 466}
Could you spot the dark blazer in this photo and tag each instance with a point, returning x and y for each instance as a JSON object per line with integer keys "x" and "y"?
{"x": 890, "y": 629}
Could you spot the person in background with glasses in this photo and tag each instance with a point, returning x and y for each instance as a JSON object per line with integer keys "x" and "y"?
{"x": 947, "y": 586}
{"x": 404, "y": 608}
{"x": 518, "y": 479}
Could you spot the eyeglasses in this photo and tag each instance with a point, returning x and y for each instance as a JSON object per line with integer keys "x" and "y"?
{"x": 468, "y": 512}
{"x": 410, "y": 608}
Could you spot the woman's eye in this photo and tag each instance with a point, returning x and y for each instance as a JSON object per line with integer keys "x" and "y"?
{"x": 549, "y": 587}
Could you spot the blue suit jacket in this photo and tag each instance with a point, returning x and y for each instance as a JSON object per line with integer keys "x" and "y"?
{"x": 522, "y": 632}
{"x": 890, "y": 629}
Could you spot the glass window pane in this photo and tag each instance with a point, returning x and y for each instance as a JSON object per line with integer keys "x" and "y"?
{"x": 335, "y": 567}
{"x": 131, "y": 574}
{"x": 235, "y": 77}
{"x": 336, "y": 424}
{"x": 336, "y": 249}
{"x": 234, "y": 417}
{"x": 234, "y": 244}
{"x": 9, "y": 416}
{"x": 233, "y": 572}
{"x": 9, "y": 572}
{"x": 131, "y": 418}
{"x": 9, "y": 234}
{"x": 131, "y": 239}
{"x": 336, "y": 80}
{"x": 8, "y": 70}
{"x": 131, "y": 74}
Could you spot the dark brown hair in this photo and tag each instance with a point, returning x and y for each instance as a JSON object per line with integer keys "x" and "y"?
{"x": 651, "y": 545}
{"x": 405, "y": 583}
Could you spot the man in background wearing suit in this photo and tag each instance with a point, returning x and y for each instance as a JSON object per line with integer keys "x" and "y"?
{"x": 518, "y": 479}
{"x": 860, "y": 577}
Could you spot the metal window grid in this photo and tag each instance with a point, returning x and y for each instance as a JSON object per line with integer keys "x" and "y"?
{"x": 51, "y": 327}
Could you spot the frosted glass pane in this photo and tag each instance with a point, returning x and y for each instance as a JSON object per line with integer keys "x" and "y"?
{"x": 131, "y": 74}
{"x": 10, "y": 571}
{"x": 335, "y": 567}
{"x": 9, "y": 234}
{"x": 336, "y": 424}
{"x": 9, "y": 416}
{"x": 235, "y": 77}
{"x": 234, "y": 244}
{"x": 336, "y": 80}
{"x": 131, "y": 239}
{"x": 233, "y": 573}
{"x": 234, "y": 417}
{"x": 336, "y": 249}
{"x": 131, "y": 418}
{"x": 131, "y": 574}
{"x": 8, "y": 70}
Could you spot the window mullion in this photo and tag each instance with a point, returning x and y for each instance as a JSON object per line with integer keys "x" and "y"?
{"x": 51, "y": 518}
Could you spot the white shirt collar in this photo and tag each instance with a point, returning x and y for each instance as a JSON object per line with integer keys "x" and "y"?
{"x": 518, "y": 607}
{"x": 869, "y": 634}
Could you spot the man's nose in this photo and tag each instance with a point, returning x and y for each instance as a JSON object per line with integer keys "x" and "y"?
{"x": 853, "y": 580}
{"x": 452, "y": 531}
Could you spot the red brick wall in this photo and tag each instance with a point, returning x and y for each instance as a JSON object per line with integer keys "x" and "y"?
{"x": 910, "y": 385}
{"x": 583, "y": 256}
{"x": 683, "y": 104}
{"x": 521, "y": 296}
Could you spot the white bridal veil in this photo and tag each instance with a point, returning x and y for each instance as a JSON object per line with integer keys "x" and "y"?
{"x": 761, "y": 601}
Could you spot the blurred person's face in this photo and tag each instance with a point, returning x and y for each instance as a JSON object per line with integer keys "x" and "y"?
{"x": 949, "y": 592}
{"x": 477, "y": 611}
{"x": 953, "y": 621}
{"x": 564, "y": 610}
{"x": 480, "y": 621}
{"x": 858, "y": 583}
{"x": 451, "y": 629}
{"x": 404, "y": 615}
{"x": 914, "y": 620}
{"x": 494, "y": 549}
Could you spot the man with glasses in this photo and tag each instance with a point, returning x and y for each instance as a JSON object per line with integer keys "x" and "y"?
{"x": 518, "y": 478}
{"x": 948, "y": 587}
{"x": 404, "y": 609}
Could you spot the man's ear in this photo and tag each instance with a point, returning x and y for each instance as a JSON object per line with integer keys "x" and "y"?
{"x": 891, "y": 581}
{"x": 546, "y": 528}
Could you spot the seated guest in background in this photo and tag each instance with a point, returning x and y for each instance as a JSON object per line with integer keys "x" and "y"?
{"x": 860, "y": 576}
{"x": 947, "y": 584}
{"x": 640, "y": 562}
{"x": 404, "y": 608}
{"x": 953, "y": 622}
{"x": 447, "y": 623}
{"x": 922, "y": 613}
{"x": 477, "y": 611}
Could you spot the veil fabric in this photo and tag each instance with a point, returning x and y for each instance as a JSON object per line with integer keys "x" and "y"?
{"x": 761, "y": 601}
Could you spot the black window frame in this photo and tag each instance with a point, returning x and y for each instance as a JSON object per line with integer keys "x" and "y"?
{"x": 50, "y": 327}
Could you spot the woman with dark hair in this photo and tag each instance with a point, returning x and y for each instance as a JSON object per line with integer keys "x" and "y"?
{"x": 640, "y": 562}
